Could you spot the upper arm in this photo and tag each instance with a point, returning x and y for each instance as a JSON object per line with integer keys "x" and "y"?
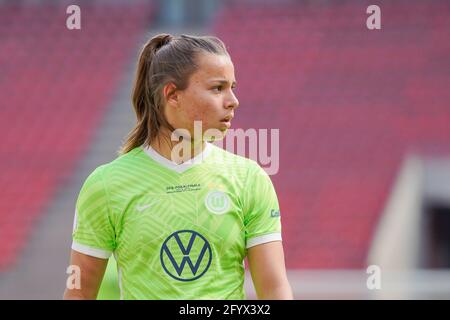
{"x": 90, "y": 271}
{"x": 93, "y": 236}
{"x": 262, "y": 222}
{"x": 94, "y": 225}
{"x": 263, "y": 237}
{"x": 268, "y": 271}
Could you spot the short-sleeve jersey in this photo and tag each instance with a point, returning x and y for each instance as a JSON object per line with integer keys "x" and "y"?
{"x": 177, "y": 231}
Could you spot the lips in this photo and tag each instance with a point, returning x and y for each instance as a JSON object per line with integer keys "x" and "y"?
{"x": 227, "y": 118}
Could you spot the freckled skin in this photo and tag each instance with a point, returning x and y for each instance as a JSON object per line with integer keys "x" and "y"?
{"x": 201, "y": 100}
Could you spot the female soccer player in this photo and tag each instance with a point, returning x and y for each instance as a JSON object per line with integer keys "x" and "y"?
{"x": 180, "y": 221}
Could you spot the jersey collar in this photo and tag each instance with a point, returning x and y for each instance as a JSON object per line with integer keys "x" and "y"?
{"x": 180, "y": 168}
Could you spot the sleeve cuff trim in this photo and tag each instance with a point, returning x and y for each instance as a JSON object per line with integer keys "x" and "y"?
{"x": 263, "y": 239}
{"x": 94, "y": 252}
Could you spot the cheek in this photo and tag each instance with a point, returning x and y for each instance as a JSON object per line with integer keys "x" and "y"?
{"x": 199, "y": 115}
{"x": 202, "y": 108}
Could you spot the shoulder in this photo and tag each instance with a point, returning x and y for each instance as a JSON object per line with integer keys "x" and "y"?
{"x": 227, "y": 158}
{"x": 121, "y": 166}
{"x": 237, "y": 166}
{"x": 123, "y": 163}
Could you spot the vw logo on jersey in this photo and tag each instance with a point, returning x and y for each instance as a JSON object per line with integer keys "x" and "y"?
{"x": 217, "y": 202}
{"x": 186, "y": 247}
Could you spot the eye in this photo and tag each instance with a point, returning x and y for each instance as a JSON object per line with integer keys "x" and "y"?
{"x": 217, "y": 88}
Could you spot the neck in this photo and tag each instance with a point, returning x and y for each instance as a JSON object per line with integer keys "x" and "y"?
{"x": 165, "y": 147}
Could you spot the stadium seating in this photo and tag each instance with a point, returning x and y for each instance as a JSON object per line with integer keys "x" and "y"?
{"x": 52, "y": 80}
{"x": 350, "y": 104}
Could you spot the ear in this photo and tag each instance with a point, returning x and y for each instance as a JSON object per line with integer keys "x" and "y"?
{"x": 170, "y": 93}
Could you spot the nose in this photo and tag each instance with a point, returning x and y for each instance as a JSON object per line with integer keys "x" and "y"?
{"x": 232, "y": 102}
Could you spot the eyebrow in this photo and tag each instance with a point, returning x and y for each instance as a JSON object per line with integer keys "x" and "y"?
{"x": 221, "y": 81}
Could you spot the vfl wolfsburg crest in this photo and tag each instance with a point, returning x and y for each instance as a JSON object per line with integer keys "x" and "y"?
{"x": 186, "y": 255}
{"x": 217, "y": 202}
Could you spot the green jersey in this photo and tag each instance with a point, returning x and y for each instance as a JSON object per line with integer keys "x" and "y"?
{"x": 177, "y": 231}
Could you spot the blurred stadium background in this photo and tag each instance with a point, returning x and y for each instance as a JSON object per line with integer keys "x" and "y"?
{"x": 364, "y": 119}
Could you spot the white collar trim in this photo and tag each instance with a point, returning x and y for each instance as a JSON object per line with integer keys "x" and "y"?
{"x": 152, "y": 153}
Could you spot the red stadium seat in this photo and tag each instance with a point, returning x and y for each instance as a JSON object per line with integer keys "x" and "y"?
{"x": 56, "y": 86}
{"x": 348, "y": 102}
